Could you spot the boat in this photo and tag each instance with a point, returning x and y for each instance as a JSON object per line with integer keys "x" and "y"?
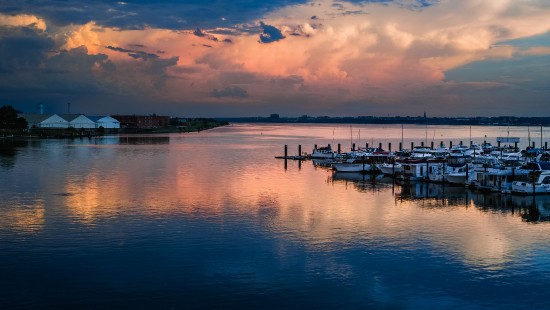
{"x": 537, "y": 180}
{"x": 391, "y": 169}
{"x": 322, "y": 153}
{"x": 353, "y": 165}
{"x": 457, "y": 169}
{"x": 417, "y": 169}
{"x": 497, "y": 179}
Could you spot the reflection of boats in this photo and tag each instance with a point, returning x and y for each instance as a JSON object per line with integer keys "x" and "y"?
{"x": 361, "y": 177}
{"x": 361, "y": 181}
{"x": 420, "y": 190}
{"x": 530, "y": 208}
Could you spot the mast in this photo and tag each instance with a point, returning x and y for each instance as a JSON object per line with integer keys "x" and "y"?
{"x": 401, "y": 136}
{"x": 528, "y": 135}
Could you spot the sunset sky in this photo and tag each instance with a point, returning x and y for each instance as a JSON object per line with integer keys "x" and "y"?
{"x": 253, "y": 58}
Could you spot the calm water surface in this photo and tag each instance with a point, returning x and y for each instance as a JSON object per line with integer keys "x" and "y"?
{"x": 212, "y": 220}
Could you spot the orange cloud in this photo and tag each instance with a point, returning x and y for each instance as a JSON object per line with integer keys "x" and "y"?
{"x": 22, "y": 20}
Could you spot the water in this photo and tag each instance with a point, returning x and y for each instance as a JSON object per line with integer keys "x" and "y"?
{"x": 212, "y": 220}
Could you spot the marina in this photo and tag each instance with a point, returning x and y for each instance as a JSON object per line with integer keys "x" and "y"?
{"x": 504, "y": 169}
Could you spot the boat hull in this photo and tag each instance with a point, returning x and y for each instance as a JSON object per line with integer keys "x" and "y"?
{"x": 347, "y": 167}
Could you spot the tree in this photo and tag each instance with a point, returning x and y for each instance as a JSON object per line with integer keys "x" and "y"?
{"x": 8, "y": 117}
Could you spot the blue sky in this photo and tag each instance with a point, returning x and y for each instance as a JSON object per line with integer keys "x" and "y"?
{"x": 248, "y": 58}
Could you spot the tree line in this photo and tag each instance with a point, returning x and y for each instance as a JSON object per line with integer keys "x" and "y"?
{"x": 10, "y": 120}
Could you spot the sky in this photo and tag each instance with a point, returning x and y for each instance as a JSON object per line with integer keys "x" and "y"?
{"x": 225, "y": 58}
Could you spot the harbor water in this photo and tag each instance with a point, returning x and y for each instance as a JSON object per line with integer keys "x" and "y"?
{"x": 212, "y": 220}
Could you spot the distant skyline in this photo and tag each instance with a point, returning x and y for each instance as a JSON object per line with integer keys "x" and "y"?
{"x": 254, "y": 58}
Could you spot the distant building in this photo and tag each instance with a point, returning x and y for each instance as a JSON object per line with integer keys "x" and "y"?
{"x": 45, "y": 121}
{"x": 78, "y": 121}
{"x": 106, "y": 122}
{"x": 142, "y": 121}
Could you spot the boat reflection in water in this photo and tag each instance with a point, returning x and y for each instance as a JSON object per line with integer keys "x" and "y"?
{"x": 529, "y": 208}
{"x": 363, "y": 182}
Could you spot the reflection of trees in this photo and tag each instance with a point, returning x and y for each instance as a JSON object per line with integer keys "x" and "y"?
{"x": 8, "y": 151}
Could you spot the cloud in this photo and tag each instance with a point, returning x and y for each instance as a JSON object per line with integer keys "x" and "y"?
{"x": 22, "y": 49}
{"x": 395, "y": 55}
{"x": 22, "y": 20}
{"x": 230, "y": 92}
{"x": 536, "y": 51}
{"x": 270, "y": 34}
{"x": 134, "y": 54}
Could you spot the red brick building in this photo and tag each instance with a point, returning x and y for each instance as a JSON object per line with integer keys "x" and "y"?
{"x": 142, "y": 121}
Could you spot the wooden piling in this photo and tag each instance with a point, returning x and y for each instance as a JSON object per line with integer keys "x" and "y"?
{"x": 389, "y": 146}
{"x": 299, "y": 150}
{"x": 286, "y": 150}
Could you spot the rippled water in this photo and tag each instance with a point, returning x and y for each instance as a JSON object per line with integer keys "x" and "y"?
{"x": 212, "y": 220}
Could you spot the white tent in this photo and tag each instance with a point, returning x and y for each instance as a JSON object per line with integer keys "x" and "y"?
{"x": 106, "y": 122}
{"x": 45, "y": 120}
{"x": 78, "y": 121}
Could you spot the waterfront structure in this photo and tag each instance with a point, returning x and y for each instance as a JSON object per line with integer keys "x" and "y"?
{"x": 142, "y": 121}
{"x": 45, "y": 121}
{"x": 78, "y": 121}
{"x": 106, "y": 122}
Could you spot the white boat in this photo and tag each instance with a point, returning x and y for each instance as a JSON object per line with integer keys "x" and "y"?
{"x": 495, "y": 179}
{"x": 390, "y": 168}
{"x": 418, "y": 169}
{"x": 322, "y": 153}
{"x": 420, "y": 152}
{"x": 457, "y": 169}
{"x": 540, "y": 174}
{"x": 457, "y": 177}
{"x": 353, "y": 165}
{"x": 540, "y": 186}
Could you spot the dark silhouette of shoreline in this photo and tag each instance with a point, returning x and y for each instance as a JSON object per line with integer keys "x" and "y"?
{"x": 420, "y": 120}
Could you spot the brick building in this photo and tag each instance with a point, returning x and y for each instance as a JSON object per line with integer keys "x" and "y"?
{"x": 142, "y": 121}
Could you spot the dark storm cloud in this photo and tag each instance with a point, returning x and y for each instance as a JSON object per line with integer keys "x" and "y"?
{"x": 134, "y": 54}
{"x": 201, "y": 34}
{"x": 230, "y": 92}
{"x": 138, "y": 14}
{"x": 22, "y": 48}
{"x": 270, "y": 34}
